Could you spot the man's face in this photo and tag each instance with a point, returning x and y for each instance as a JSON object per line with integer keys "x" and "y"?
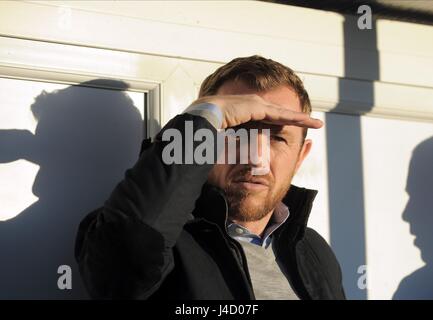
{"x": 251, "y": 197}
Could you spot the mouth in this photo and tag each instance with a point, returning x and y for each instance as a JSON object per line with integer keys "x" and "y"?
{"x": 253, "y": 183}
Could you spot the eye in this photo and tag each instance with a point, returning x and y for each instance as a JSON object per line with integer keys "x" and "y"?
{"x": 277, "y": 138}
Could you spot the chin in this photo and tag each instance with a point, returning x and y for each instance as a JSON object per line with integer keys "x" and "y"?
{"x": 254, "y": 201}
{"x": 250, "y": 209}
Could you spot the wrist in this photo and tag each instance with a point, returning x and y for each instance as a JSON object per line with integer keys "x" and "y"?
{"x": 210, "y": 111}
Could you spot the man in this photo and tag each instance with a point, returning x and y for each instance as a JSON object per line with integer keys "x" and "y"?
{"x": 216, "y": 231}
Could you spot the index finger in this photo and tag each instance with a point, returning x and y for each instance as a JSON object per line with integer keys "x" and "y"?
{"x": 283, "y": 116}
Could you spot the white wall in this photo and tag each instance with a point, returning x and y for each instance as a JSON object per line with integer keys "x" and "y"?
{"x": 17, "y": 97}
{"x": 63, "y": 149}
{"x": 358, "y": 164}
{"x": 392, "y": 223}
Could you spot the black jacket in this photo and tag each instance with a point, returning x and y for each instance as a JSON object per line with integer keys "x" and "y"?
{"x": 161, "y": 235}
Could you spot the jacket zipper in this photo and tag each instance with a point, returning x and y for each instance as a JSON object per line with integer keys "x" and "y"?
{"x": 243, "y": 266}
{"x": 288, "y": 262}
{"x": 240, "y": 258}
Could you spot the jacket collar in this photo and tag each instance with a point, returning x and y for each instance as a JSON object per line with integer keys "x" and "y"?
{"x": 212, "y": 205}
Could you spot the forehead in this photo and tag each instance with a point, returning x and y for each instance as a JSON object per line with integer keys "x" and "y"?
{"x": 282, "y": 95}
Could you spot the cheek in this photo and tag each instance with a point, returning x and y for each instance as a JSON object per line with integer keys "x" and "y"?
{"x": 282, "y": 165}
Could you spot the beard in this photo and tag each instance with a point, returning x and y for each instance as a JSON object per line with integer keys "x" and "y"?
{"x": 247, "y": 206}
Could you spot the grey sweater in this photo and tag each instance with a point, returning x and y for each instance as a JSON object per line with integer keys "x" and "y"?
{"x": 269, "y": 282}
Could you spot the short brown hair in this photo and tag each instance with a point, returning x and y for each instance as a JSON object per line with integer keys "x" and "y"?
{"x": 258, "y": 73}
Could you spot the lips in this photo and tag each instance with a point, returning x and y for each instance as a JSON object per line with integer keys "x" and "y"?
{"x": 254, "y": 180}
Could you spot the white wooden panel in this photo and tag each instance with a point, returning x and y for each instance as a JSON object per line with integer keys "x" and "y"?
{"x": 305, "y": 39}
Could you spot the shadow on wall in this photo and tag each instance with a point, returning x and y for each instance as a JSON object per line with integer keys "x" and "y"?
{"x": 344, "y": 154}
{"x": 84, "y": 141}
{"x": 419, "y": 214}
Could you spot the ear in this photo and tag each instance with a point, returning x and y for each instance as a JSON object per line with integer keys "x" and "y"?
{"x": 303, "y": 153}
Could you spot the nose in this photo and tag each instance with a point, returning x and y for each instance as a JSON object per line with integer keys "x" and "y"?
{"x": 259, "y": 155}
{"x": 405, "y": 215}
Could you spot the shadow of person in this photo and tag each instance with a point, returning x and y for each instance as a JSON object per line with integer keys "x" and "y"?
{"x": 419, "y": 214}
{"x": 84, "y": 141}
